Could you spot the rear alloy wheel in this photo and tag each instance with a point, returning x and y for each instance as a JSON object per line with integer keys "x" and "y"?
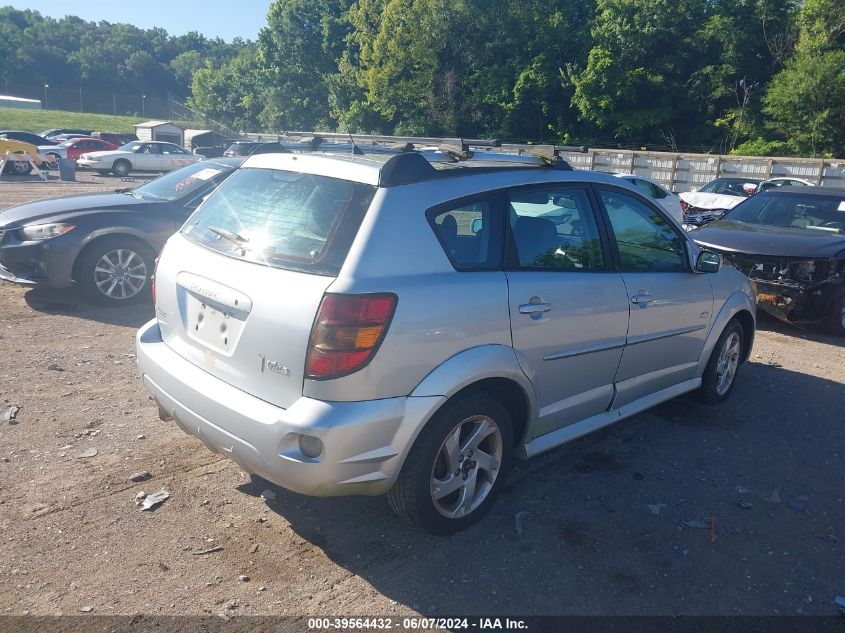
{"x": 116, "y": 271}
{"x": 720, "y": 374}
{"x": 456, "y": 466}
{"x": 121, "y": 167}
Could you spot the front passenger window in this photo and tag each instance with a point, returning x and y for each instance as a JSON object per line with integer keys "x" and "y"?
{"x": 645, "y": 239}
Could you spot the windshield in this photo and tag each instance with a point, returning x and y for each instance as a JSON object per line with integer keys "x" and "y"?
{"x": 282, "y": 219}
{"x": 823, "y": 213}
{"x": 730, "y": 187}
{"x": 183, "y": 182}
{"x": 131, "y": 147}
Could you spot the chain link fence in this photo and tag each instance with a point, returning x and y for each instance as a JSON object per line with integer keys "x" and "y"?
{"x": 89, "y": 99}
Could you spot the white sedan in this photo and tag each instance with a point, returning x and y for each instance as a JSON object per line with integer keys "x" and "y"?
{"x": 139, "y": 156}
{"x": 781, "y": 181}
{"x": 657, "y": 192}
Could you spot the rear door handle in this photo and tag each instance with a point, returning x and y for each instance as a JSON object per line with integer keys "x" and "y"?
{"x": 642, "y": 299}
{"x": 533, "y": 308}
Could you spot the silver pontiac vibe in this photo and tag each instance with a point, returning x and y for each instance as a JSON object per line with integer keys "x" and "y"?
{"x": 408, "y": 323}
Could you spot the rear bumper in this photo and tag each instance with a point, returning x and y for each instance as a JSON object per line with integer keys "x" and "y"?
{"x": 365, "y": 443}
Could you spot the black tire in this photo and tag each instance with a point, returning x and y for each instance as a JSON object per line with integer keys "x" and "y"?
{"x": 121, "y": 167}
{"x": 411, "y": 497}
{"x": 19, "y": 168}
{"x": 97, "y": 285}
{"x": 712, "y": 390}
{"x": 836, "y": 321}
{"x": 52, "y": 161}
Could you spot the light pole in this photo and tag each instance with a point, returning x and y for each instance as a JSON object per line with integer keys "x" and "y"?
{"x": 45, "y": 95}
{"x": 143, "y": 105}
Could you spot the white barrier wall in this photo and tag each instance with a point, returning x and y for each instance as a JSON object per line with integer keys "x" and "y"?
{"x": 683, "y": 172}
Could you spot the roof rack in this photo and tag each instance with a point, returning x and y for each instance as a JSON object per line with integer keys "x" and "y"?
{"x": 413, "y": 157}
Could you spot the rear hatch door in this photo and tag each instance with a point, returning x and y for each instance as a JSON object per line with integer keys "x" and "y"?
{"x": 238, "y": 289}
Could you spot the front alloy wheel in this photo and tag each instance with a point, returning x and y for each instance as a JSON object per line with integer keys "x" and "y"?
{"x": 728, "y": 363}
{"x": 720, "y": 374}
{"x": 456, "y": 466}
{"x": 116, "y": 270}
{"x": 120, "y": 274}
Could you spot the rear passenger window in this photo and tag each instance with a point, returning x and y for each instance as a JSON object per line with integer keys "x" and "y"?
{"x": 554, "y": 228}
{"x": 470, "y": 233}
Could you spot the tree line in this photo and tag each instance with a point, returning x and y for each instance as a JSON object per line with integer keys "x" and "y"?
{"x": 759, "y": 77}
{"x": 104, "y": 57}
{"x": 748, "y": 76}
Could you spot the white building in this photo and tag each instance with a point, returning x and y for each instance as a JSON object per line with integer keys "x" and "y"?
{"x": 160, "y": 131}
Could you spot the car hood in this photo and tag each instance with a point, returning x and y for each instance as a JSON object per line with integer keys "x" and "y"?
{"x": 701, "y": 200}
{"x": 777, "y": 241}
{"x": 64, "y": 207}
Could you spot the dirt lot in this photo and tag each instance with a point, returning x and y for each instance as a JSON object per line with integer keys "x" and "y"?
{"x": 680, "y": 510}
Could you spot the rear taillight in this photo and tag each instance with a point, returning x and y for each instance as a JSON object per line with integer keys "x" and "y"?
{"x": 347, "y": 332}
{"x": 153, "y": 278}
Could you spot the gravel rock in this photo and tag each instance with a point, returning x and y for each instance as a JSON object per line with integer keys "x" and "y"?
{"x": 154, "y": 500}
{"x": 140, "y": 476}
{"x": 88, "y": 452}
{"x": 11, "y": 414}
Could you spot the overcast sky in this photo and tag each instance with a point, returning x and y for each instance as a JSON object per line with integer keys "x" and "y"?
{"x": 213, "y": 18}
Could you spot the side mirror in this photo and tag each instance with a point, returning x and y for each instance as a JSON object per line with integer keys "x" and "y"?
{"x": 476, "y": 225}
{"x": 708, "y": 262}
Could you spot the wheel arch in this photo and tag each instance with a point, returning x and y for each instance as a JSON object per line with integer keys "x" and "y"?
{"x": 740, "y": 306}
{"x": 491, "y": 368}
{"x": 97, "y": 237}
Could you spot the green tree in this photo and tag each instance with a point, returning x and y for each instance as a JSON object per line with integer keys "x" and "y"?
{"x": 805, "y": 103}
{"x": 298, "y": 51}
{"x": 234, "y": 93}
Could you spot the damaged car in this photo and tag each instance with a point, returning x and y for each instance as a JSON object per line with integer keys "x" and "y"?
{"x": 791, "y": 242}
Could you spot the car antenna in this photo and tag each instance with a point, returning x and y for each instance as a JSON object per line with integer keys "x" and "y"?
{"x": 357, "y": 151}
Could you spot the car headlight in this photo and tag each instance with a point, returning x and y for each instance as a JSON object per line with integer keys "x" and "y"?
{"x": 44, "y": 231}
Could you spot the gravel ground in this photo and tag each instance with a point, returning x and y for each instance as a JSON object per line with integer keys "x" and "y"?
{"x": 680, "y": 510}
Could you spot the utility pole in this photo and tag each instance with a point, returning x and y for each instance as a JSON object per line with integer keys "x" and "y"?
{"x": 144, "y": 106}
{"x": 114, "y": 101}
{"x": 45, "y": 95}
{"x": 80, "y": 98}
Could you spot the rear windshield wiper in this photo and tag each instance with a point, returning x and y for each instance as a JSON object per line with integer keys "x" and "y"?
{"x": 233, "y": 237}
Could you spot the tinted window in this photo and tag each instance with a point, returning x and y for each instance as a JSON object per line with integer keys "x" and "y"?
{"x": 470, "y": 233}
{"x": 823, "y": 213}
{"x": 554, "y": 228}
{"x": 645, "y": 239}
{"x": 282, "y": 219}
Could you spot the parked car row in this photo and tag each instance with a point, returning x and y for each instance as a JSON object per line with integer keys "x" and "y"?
{"x": 56, "y": 143}
{"x": 718, "y": 196}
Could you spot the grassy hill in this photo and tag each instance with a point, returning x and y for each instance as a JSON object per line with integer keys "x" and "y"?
{"x": 40, "y": 120}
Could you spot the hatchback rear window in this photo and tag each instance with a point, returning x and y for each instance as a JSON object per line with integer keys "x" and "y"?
{"x": 282, "y": 219}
